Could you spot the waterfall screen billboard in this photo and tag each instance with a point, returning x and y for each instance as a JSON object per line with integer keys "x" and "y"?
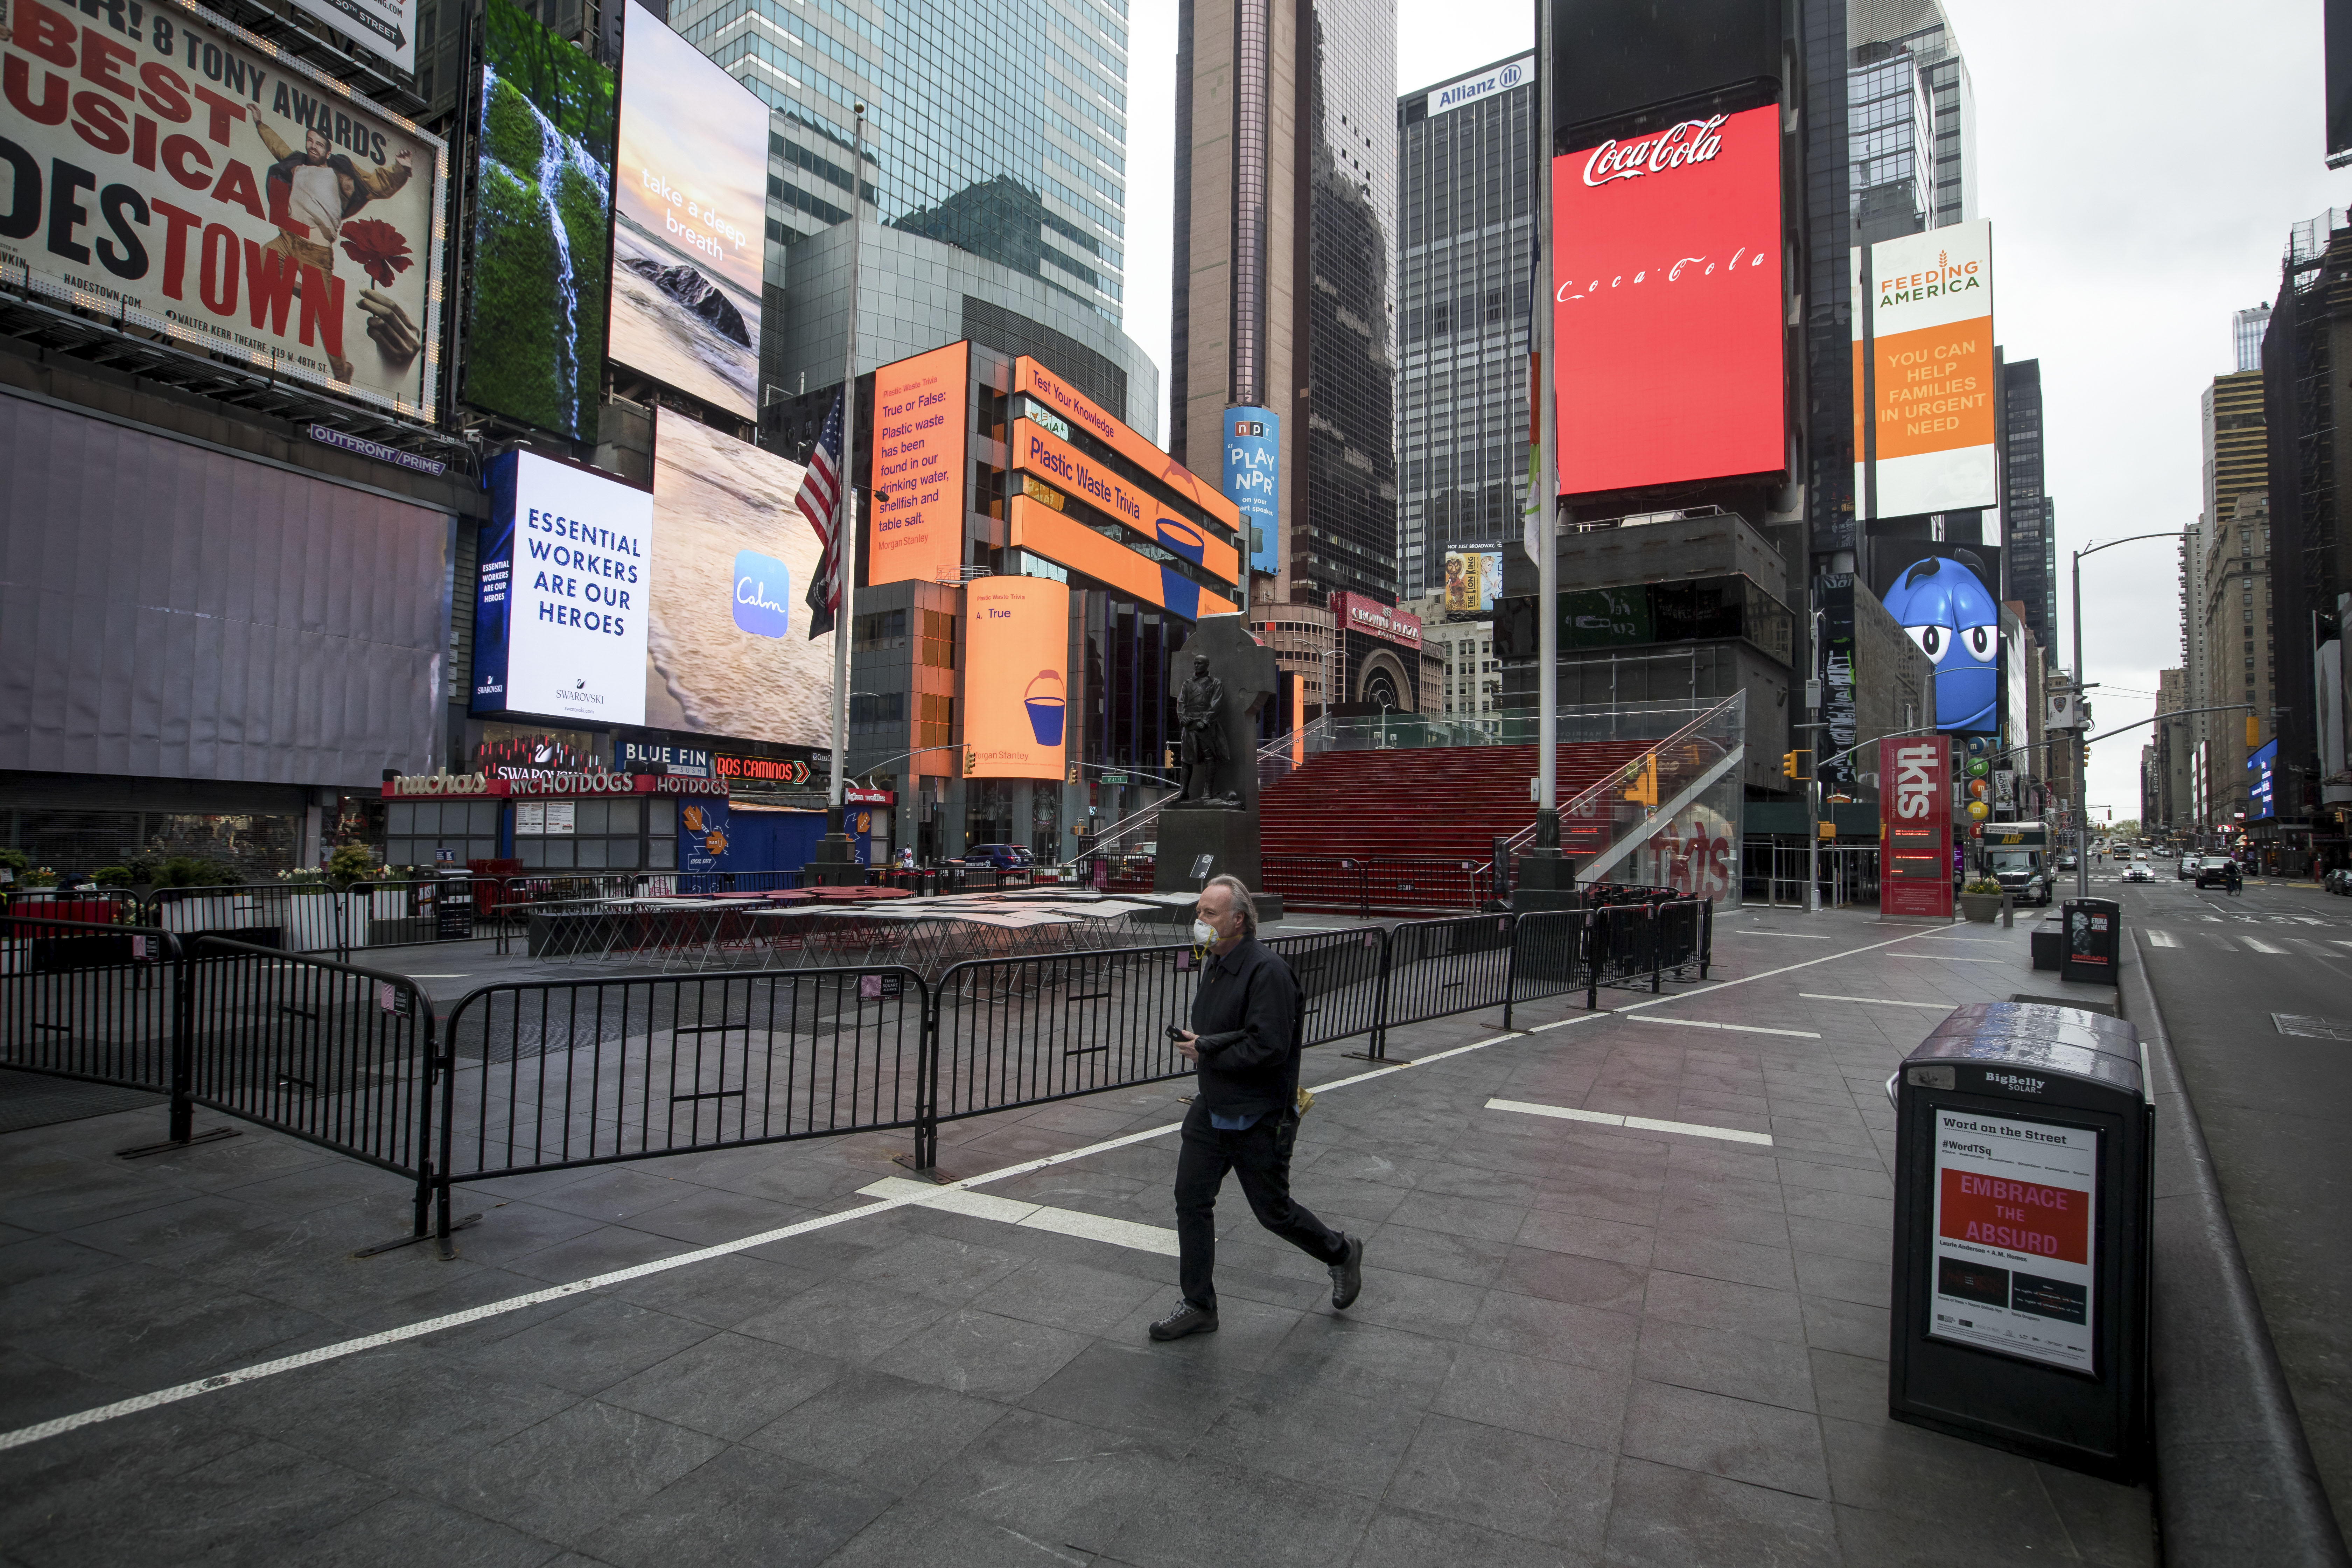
{"x": 690, "y": 202}
{"x": 534, "y": 342}
{"x": 164, "y": 170}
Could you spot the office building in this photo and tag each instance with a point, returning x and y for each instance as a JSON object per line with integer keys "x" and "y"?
{"x": 1282, "y": 298}
{"x": 2309, "y": 566}
{"x": 2194, "y": 736}
{"x": 1465, "y": 234}
{"x": 2029, "y": 530}
{"x": 994, "y": 178}
{"x": 1911, "y": 119}
{"x": 2246, "y": 329}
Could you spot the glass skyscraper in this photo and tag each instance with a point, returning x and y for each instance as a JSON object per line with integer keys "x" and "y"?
{"x": 1911, "y": 119}
{"x": 1464, "y": 247}
{"x": 1286, "y": 218}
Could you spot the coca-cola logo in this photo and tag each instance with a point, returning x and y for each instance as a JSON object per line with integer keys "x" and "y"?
{"x": 1692, "y": 141}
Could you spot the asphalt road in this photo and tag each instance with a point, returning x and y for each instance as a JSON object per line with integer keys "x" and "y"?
{"x": 2232, "y": 975}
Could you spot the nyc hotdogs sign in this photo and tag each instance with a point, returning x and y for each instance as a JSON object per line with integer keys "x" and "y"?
{"x": 174, "y": 173}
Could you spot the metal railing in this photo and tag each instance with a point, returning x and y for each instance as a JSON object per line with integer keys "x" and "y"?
{"x": 528, "y": 1076}
{"x": 1121, "y": 840}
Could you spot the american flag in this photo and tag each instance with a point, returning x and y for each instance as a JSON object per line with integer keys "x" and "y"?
{"x": 820, "y": 500}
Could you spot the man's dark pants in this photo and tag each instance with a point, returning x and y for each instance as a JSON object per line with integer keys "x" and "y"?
{"x": 1260, "y": 1155}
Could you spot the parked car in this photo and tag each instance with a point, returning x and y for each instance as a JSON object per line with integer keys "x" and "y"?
{"x": 1003, "y": 856}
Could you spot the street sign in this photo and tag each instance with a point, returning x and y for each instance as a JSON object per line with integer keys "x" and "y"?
{"x": 1113, "y": 778}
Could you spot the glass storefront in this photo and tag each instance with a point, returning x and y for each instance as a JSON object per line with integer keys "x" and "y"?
{"x": 634, "y": 835}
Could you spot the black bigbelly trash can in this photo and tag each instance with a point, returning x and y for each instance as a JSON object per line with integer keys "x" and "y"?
{"x": 2093, "y": 942}
{"x": 2021, "y": 1214}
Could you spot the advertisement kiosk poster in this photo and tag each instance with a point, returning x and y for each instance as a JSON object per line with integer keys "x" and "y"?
{"x": 2013, "y": 1264}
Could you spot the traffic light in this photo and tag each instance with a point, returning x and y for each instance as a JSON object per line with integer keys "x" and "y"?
{"x": 1642, "y": 780}
{"x": 2253, "y": 732}
{"x": 1797, "y": 765}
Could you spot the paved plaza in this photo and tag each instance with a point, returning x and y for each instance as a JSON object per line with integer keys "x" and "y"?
{"x": 1624, "y": 1301}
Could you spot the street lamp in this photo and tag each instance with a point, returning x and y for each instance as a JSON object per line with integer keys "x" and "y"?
{"x": 1385, "y": 706}
{"x": 2082, "y": 828}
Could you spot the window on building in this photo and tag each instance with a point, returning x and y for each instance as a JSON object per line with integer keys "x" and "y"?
{"x": 935, "y": 721}
{"x": 592, "y": 835}
{"x": 938, "y": 651}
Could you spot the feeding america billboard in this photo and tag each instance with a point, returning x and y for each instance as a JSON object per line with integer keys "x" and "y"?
{"x": 1669, "y": 339}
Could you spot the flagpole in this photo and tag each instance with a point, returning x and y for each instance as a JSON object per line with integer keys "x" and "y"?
{"x": 846, "y": 527}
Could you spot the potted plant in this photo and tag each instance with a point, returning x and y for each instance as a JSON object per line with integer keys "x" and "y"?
{"x": 349, "y": 864}
{"x": 1981, "y": 900}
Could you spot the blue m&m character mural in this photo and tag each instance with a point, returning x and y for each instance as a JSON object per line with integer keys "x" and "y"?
{"x": 1943, "y": 602}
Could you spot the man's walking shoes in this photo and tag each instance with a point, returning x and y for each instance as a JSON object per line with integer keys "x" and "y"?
{"x": 1187, "y": 1319}
{"x": 1347, "y": 1274}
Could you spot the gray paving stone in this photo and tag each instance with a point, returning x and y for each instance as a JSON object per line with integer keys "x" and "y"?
{"x": 745, "y": 1506}
{"x": 1557, "y": 1231}
{"x": 882, "y": 1432}
{"x": 1714, "y": 1258}
{"x": 996, "y": 1357}
{"x": 1737, "y": 1439}
{"x": 1483, "y": 1476}
{"x": 1068, "y": 1295}
{"x": 1743, "y": 1366}
{"x": 564, "y": 1477}
{"x": 1725, "y": 1304}
{"x": 1848, "y": 1326}
{"x": 915, "y": 1530}
{"x": 1052, "y": 1480}
{"x": 1549, "y": 1399}
{"x": 1217, "y": 1512}
{"x": 850, "y": 1321}
{"x": 1155, "y": 1392}
{"x": 1436, "y": 1254}
{"x": 403, "y": 1532}
{"x": 1556, "y": 1330}
{"x": 727, "y": 1386}
{"x": 936, "y": 1268}
{"x": 1661, "y": 1516}
{"x": 597, "y": 1344}
{"x": 1316, "y": 1435}
{"x": 1400, "y": 1537}
{"x": 251, "y": 1503}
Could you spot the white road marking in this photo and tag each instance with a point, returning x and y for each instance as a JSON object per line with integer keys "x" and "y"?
{"x": 1877, "y": 1001}
{"x": 2160, "y": 937}
{"x": 2259, "y": 945}
{"x": 1792, "y": 935}
{"x": 323, "y": 1353}
{"x": 1740, "y": 1028}
{"x": 1947, "y": 958}
{"x": 1631, "y": 1123}
{"x": 1034, "y": 1216}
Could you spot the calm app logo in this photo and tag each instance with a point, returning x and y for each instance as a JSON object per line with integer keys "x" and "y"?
{"x": 763, "y": 593}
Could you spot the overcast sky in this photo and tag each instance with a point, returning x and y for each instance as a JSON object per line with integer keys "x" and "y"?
{"x": 2141, "y": 166}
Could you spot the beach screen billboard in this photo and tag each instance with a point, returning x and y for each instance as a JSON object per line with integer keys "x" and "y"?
{"x": 534, "y": 341}
{"x": 1927, "y": 364}
{"x": 1668, "y": 307}
{"x": 560, "y": 606}
{"x": 174, "y": 176}
{"x": 1016, "y": 690}
{"x": 689, "y": 199}
{"x": 917, "y": 504}
{"x": 727, "y": 645}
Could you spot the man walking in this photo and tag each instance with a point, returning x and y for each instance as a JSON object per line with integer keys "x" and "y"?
{"x": 1243, "y": 1043}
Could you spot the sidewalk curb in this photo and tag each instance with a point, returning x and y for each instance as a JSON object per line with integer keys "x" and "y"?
{"x": 2235, "y": 1484}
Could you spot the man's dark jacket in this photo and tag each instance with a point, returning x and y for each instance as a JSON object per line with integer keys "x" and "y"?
{"x": 1247, "y": 1013}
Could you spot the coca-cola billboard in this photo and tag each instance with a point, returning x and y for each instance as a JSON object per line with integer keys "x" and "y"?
{"x": 1668, "y": 305}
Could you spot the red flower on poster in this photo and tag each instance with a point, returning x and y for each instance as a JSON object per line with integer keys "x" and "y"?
{"x": 378, "y": 248}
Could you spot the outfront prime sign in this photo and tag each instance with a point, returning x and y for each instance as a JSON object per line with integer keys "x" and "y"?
{"x": 559, "y": 614}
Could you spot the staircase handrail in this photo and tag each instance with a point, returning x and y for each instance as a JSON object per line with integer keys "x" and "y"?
{"x": 1285, "y": 742}
{"x": 1593, "y": 792}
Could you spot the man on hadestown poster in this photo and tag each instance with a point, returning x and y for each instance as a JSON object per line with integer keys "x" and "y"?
{"x": 313, "y": 194}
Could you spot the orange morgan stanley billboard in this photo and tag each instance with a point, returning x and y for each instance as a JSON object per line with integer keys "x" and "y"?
{"x": 917, "y": 508}
{"x": 1017, "y": 686}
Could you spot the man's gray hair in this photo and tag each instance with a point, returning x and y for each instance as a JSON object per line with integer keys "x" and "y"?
{"x": 1240, "y": 894}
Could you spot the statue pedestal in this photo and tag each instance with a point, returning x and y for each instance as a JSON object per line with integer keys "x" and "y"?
{"x": 1546, "y": 882}
{"x": 1228, "y": 838}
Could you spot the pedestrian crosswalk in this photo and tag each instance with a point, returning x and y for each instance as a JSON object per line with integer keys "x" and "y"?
{"x": 2275, "y": 943}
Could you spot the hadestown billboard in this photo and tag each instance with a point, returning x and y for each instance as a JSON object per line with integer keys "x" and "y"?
{"x": 1923, "y": 369}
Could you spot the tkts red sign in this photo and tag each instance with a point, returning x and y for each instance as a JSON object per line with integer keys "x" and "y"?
{"x": 1915, "y": 817}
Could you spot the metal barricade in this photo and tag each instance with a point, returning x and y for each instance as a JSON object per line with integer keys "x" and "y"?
{"x": 1328, "y": 882}
{"x": 1440, "y": 967}
{"x": 1550, "y": 956}
{"x": 293, "y": 917}
{"x": 427, "y": 909}
{"x": 1339, "y": 975}
{"x": 330, "y": 1053}
{"x": 1023, "y": 1031}
{"x": 547, "y": 1076}
{"x": 102, "y": 1003}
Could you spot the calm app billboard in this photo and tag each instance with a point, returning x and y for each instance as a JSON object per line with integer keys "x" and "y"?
{"x": 560, "y": 610}
{"x": 690, "y": 197}
{"x": 1252, "y": 444}
{"x": 727, "y": 636}
{"x": 1667, "y": 310}
{"x": 1017, "y": 687}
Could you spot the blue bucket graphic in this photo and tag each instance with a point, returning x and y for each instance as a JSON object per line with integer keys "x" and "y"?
{"x": 1182, "y": 538}
{"x": 1046, "y": 707}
